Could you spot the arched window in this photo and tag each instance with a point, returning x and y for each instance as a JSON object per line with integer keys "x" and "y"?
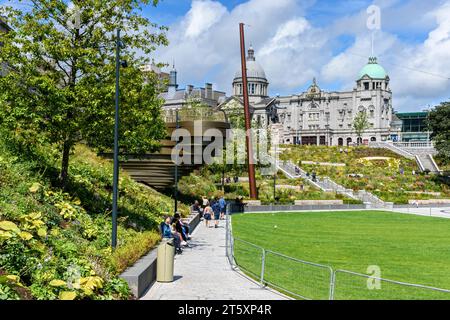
{"x": 340, "y": 142}
{"x": 349, "y": 141}
{"x": 373, "y": 139}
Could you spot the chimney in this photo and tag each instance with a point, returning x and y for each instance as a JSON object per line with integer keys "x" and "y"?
{"x": 209, "y": 91}
{"x": 189, "y": 89}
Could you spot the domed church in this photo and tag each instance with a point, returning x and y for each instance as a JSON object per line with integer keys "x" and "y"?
{"x": 317, "y": 116}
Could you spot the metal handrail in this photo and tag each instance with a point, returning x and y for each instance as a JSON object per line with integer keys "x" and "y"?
{"x": 332, "y": 285}
{"x": 420, "y": 286}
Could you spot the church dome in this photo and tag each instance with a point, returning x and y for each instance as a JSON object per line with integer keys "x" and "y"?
{"x": 373, "y": 70}
{"x": 254, "y": 69}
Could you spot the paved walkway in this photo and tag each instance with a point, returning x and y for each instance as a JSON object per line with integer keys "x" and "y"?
{"x": 437, "y": 212}
{"x": 204, "y": 273}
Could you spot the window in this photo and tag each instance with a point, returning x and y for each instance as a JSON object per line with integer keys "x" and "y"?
{"x": 366, "y": 85}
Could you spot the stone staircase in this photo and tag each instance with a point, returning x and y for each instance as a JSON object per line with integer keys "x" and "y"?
{"x": 426, "y": 163}
{"x": 326, "y": 184}
{"x": 422, "y": 155}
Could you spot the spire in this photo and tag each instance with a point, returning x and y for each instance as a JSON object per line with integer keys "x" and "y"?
{"x": 251, "y": 53}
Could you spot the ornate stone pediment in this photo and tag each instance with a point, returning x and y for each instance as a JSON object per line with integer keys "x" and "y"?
{"x": 314, "y": 91}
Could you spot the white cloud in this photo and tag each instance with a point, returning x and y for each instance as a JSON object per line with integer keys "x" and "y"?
{"x": 418, "y": 72}
{"x": 202, "y": 16}
{"x": 293, "y": 50}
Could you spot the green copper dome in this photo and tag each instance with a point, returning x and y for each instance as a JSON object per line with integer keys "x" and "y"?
{"x": 373, "y": 70}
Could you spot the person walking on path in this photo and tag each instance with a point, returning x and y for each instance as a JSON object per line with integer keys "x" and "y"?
{"x": 207, "y": 214}
{"x": 223, "y": 206}
{"x": 205, "y": 202}
{"x": 216, "y": 209}
{"x": 314, "y": 177}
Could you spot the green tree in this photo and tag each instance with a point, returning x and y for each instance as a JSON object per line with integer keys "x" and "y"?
{"x": 361, "y": 123}
{"x": 439, "y": 124}
{"x": 60, "y": 80}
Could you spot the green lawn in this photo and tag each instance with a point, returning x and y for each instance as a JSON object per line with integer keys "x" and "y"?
{"x": 407, "y": 248}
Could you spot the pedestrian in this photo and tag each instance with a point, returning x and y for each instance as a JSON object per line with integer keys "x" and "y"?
{"x": 216, "y": 210}
{"x": 207, "y": 213}
{"x": 204, "y": 202}
{"x": 313, "y": 176}
{"x": 223, "y": 207}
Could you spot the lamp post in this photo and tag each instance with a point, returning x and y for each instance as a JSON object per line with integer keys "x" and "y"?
{"x": 275, "y": 175}
{"x": 175, "y": 193}
{"x": 119, "y": 63}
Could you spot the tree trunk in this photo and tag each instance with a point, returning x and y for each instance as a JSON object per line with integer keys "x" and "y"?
{"x": 63, "y": 177}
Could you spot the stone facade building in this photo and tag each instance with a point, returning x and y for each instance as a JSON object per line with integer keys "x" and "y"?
{"x": 176, "y": 98}
{"x": 317, "y": 116}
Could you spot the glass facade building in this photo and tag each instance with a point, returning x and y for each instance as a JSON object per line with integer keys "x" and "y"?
{"x": 414, "y": 126}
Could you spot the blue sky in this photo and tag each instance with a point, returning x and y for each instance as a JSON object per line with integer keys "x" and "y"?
{"x": 298, "y": 40}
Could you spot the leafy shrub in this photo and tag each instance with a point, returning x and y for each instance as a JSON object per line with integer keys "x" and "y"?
{"x": 58, "y": 241}
{"x": 127, "y": 254}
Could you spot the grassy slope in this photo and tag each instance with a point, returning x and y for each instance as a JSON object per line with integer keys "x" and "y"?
{"x": 77, "y": 223}
{"x": 407, "y": 248}
{"x": 379, "y": 178}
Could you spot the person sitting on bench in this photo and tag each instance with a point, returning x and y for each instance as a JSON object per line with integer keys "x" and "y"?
{"x": 181, "y": 228}
{"x": 197, "y": 208}
{"x": 168, "y": 232}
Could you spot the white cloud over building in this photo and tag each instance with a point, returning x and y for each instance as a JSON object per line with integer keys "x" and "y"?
{"x": 293, "y": 49}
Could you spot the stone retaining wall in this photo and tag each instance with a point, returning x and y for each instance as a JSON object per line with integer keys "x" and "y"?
{"x": 318, "y": 202}
{"x": 142, "y": 274}
{"x": 430, "y": 201}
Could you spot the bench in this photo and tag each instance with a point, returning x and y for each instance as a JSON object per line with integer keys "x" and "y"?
{"x": 141, "y": 276}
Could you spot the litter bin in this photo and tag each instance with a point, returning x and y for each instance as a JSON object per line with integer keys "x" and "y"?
{"x": 164, "y": 262}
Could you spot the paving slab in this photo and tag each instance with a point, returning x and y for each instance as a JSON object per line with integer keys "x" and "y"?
{"x": 203, "y": 272}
